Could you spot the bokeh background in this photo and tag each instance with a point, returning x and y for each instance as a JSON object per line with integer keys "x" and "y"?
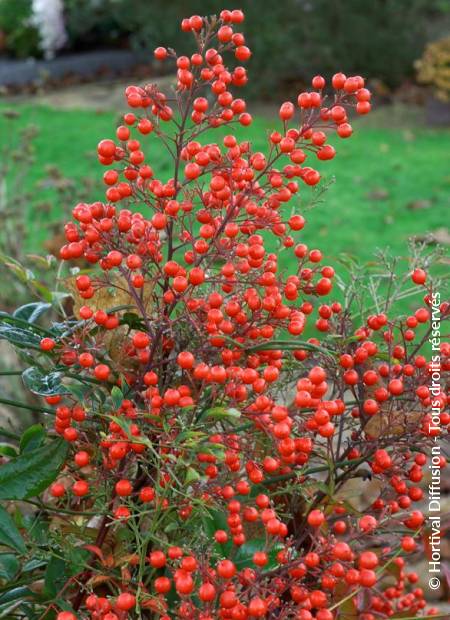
{"x": 64, "y": 65}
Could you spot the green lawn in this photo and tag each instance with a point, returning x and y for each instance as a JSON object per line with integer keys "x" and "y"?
{"x": 379, "y": 172}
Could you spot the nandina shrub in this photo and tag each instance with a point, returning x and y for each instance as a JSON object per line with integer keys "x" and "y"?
{"x": 204, "y": 456}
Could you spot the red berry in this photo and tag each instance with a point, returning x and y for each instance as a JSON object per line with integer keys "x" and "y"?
{"x": 419, "y": 276}
{"x": 57, "y": 489}
{"x": 125, "y": 601}
{"x": 47, "y": 344}
{"x": 316, "y": 518}
{"x": 123, "y": 488}
{"x": 160, "y": 53}
{"x": 102, "y": 372}
{"x": 106, "y": 148}
{"x": 80, "y": 488}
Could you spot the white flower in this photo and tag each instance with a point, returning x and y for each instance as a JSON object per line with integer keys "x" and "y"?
{"x": 47, "y": 16}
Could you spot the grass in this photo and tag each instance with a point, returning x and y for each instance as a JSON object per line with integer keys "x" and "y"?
{"x": 380, "y": 174}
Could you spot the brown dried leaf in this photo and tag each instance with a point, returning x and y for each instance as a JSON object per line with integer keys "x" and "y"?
{"x": 153, "y": 603}
{"x": 125, "y": 574}
{"x": 37, "y": 586}
{"x": 358, "y": 493}
{"x": 115, "y": 341}
{"x": 97, "y": 551}
{"x": 391, "y": 423}
{"x": 418, "y": 205}
{"x": 440, "y": 236}
{"x": 76, "y": 526}
{"x": 97, "y": 580}
{"x": 127, "y": 559}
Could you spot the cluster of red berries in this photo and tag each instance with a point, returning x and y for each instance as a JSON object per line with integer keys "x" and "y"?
{"x": 219, "y": 429}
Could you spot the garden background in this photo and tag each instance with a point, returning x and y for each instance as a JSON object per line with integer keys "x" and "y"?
{"x": 64, "y": 66}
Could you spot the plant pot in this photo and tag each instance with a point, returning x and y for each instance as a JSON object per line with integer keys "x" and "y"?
{"x": 437, "y": 112}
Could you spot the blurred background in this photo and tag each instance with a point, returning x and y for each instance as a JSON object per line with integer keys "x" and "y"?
{"x": 64, "y": 65}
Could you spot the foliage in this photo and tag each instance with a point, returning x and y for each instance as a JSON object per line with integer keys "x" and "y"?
{"x": 20, "y": 37}
{"x": 200, "y": 451}
{"x": 93, "y": 24}
{"x": 434, "y": 68}
{"x": 31, "y": 27}
{"x": 306, "y": 37}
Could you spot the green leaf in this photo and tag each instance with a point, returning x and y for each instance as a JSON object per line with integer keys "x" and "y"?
{"x": 32, "y": 565}
{"x": 9, "y": 565}
{"x": 15, "y": 594}
{"x": 19, "y": 336}
{"x": 223, "y": 413}
{"x": 117, "y": 397}
{"x": 192, "y": 475}
{"x": 31, "y": 473}
{"x": 55, "y": 576}
{"x": 37, "y": 527}
{"x": 79, "y": 390}
{"x": 60, "y": 569}
{"x": 9, "y": 534}
{"x": 244, "y": 555}
{"x": 32, "y": 438}
{"x": 12, "y": 609}
{"x": 63, "y": 604}
{"x": 132, "y": 320}
{"x": 7, "y": 450}
{"x": 31, "y": 312}
{"x": 43, "y": 385}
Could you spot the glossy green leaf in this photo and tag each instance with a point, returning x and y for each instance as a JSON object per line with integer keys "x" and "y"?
{"x": 32, "y": 438}
{"x": 31, "y": 312}
{"x": 9, "y": 534}
{"x": 19, "y": 336}
{"x": 9, "y": 565}
{"x": 7, "y": 450}
{"x": 55, "y": 576}
{"x": 31, "y": 473}
{"x": 21, "y": 609}
{"x": 244, "y": 555}
{"x": 42, "y": 384}
{"x": 15, "y": 594}
{"x": 32, "y": 565}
